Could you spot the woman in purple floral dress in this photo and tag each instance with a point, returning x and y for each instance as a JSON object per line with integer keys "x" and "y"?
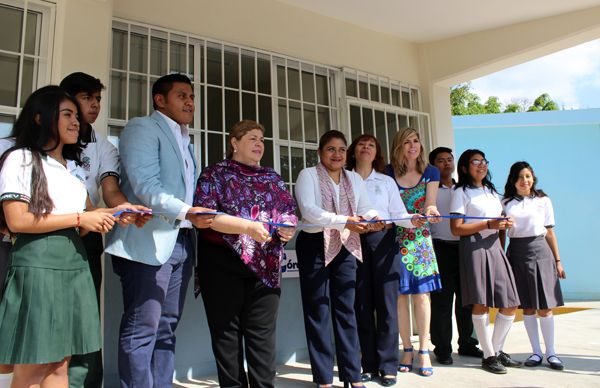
{"x": 239, "y": 259}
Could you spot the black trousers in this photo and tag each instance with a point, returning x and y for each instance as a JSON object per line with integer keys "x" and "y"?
{"x": 326, "y": 290}
{"x": 377, "y": 282}
{"x": 242, "y": 315}
{"x": 441, "y": 303}
{"x": 85, "y": 370}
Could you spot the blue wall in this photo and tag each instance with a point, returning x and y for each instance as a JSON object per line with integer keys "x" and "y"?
{"x": 563, "y": 148}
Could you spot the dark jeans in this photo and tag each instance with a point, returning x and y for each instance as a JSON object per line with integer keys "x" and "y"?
{"x": 441, "y": 303}
{"x": 153, "y": 299}
{"x": 377, "y": 282}
{"x": 242, "y": 315}
{"x": 326, "y": 290}
{"x": 85, "y": 370}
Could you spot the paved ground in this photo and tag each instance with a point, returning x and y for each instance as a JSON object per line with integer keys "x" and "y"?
{"x": 577, "y": 343}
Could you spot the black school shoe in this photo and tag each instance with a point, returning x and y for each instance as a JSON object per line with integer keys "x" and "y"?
{"x": 388, "y": 381}
{"x": 471, "y": 351}
{"x": 555, "y": 362}
{"x": 507, "y": 361}
{"x": 366, "y": 377}
{"x": 492, "y": 365}
{"x": 445, "y": 359}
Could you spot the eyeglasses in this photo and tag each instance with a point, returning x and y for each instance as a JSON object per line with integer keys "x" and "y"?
{"x": 480, "y": 162}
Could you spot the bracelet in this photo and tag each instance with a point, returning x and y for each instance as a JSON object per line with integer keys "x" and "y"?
{"x": 78, "y": 220}
{"x": 488, "y": 224}
{"x": 557, "y": 261}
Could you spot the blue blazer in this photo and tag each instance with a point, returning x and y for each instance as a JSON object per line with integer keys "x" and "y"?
{"x": 152, "y": 174}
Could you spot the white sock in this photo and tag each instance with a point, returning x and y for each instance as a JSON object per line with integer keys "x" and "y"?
{"x": 502, "y": 325}
{"x": 531, "y": 325}
{"x": 483, "y": 334}
{"x": 547, "y": 326}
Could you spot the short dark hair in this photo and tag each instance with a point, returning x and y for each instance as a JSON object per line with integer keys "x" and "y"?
{"x": 378, "y": 164}
{"x": 81, "y": 82}
{"x": 464, "y": 178}
{"x": 433, "y": 154}
{"x": 329, "y": 135}
{"x": 238, "y": 131}
{"x": 164, "y": 84}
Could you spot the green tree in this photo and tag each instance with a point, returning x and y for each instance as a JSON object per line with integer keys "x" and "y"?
{"x": 493, "y": 105}
{"x": 512, "y": 108}
{"x": 543, "y": 102}
{"x": 464, "y": 101}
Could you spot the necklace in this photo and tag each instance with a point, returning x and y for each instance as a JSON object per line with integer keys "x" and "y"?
{"x": 62, "y": 160}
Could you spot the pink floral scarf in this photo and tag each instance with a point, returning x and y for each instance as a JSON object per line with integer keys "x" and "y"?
{"x": 333, "y": 239}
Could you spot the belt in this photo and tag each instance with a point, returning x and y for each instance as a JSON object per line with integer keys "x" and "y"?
{"x": 450, "y": 242}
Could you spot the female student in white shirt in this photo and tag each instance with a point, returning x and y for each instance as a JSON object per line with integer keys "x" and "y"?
{"x": 535, "y": 259}
{"x": 486, "y": 276}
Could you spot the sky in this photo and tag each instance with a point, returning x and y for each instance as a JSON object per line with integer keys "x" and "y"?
{"x": 571, "y": 77}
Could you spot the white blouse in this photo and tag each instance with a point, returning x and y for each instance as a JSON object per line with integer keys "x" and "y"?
{"x": 66, "y": 186}
{"x": 385, "y": 198}
{"x": 532, "y": 216}
{"x": 308, "y": 197}
{"x": 476, "y": 202}
{"x": 441, "y": 230}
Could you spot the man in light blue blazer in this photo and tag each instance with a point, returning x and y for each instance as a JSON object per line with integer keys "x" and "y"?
{"x": 155, "y": 262}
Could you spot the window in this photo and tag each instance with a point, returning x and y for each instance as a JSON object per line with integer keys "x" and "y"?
{"x": 24, "y": 55}
{"x": 293, "y": 100}
{"x": 380, "y": 107}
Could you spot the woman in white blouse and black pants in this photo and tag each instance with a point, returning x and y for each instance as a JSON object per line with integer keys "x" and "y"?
{"x": 535, "y": 260}
{"x": 334, "y": 202}
{"x": 377, "y": 276}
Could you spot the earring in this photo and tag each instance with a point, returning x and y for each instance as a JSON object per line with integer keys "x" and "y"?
{"x": 235, "y": 150}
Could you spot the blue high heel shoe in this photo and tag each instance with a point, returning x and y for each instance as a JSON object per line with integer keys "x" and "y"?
{"x": 405, "y": 368}
{"x": 425, "y": 371}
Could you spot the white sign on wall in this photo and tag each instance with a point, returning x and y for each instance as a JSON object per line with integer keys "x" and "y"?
{"x": 289, "y": 265}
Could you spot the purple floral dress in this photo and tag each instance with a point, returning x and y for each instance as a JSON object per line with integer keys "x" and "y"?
{"x": 255, "y": 193}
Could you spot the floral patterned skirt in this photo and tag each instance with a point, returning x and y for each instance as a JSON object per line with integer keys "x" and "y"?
{"x": 419, "y": 272}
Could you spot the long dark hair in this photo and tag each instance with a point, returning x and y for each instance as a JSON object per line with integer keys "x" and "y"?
{"x": 378, "y": 163}
{"x": 464, "y": 178}
{"x": 37, "y": 126}
{"x": 510, "y": 191}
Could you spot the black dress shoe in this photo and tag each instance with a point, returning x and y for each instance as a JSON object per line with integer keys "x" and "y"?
{"x": 366, "y": 377}
{"x": 491, "y": 364}
{"x": 507, "y": 361}
{"x": 472, "y": 351}
{"x": 445, "y": 359}
{"x": 533, "y": 360}
{"x": 555, "y": 362}
{"x": 388, "y": 381}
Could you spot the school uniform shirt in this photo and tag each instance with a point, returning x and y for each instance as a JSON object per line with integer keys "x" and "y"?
{"x": 441, "y": 230}
{"x": 475, "y": 202}
{"x": 385, "y": 198}
{"x": 308, "y": 197}
{"x": 15, "y": 182}
{"x": 531, "y": 215}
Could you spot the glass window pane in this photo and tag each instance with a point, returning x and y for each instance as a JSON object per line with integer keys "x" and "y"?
{"x": 414, "y": 98}
{"x": 402, "y": 122}
{"x": 232, "y": 108}
{"x": 312, "y": 158}
{"x": 158, "y": 55}
{"x": 297, "y": 162}
{"x": 6, "y": 124}
{"x": 367, "y": 119}
{"x": 414, "y": 122}
{"x": 308, "y": 87}
{"x": 267, "y": 159}
{"x": 363, "y": 90}
{"x": 281, "y": 90}
{"x": 355, "y": 122}
{"x": 214, "y": 109}
{"x": 424, "y": 130}
{"x": 265, "y": 116}
{"x": 119, "y": 48}
{"x": 138, "y": 95}
{"x": 249, "y": 106}
{"x": 29, "y": 79}
{"x": 395, "y": 97}
{"x": 9, "y": 76}
{"x": 248, "y": 74}
{"x": 322, "y": 90}
{"x": 117, "y": 95}
{"x": 284, "y": 163}
{"x": 405, "y": 99}
{"x": 114, "y": 132}
{"x": 32, "y": 33}
{"x": 192, "y": 71}
{"x": 215, "y": 148}
{"x": 385, "y": 95}
{"x": 295, "y": 121}
{"x": 178, "y": 54}
{"x": 231, "y": 67}
{"x": 324, "y": 123}
{"x": 351, "y": 88}
{"x": 374, "y": 92}
{"x": 293, "y": 83}
{"x": 213, "y": 64}
{"x": 392, "y": 128}
{"x": 310, "y": 124}
{"x": 380, "y": 130}
{"x": 264, "y": 73}
{"x": 11, "y": 20}
{"x": 138, "y": 52}
{"x": 283, "y": 124}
